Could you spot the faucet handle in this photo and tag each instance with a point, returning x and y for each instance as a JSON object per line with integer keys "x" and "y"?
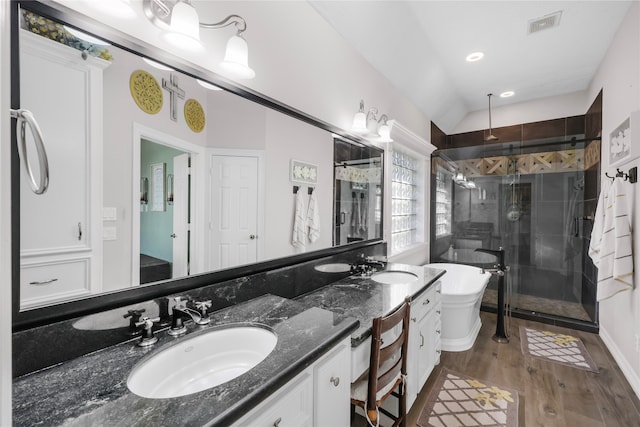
{"x": 203, "y": 307}
{"x": 147, "y": 338}
{"x": 181, "y": 301}
{"x": 135, "y": 318}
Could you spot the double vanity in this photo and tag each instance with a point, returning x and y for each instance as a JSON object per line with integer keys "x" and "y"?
{"x": 321, "y": 345}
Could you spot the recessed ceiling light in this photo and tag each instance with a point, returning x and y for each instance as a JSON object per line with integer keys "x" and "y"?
{"x": 475, "y": 56}
{"x": 507, "y": 94}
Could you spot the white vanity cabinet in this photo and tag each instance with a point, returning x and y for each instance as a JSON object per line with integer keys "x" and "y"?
{"x": 317, "y": 397}
{"x": 424, "y": 340}
{"x": 61, "y": 230}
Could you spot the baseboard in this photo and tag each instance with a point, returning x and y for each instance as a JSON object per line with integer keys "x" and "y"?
{"x": 625, "y": 367}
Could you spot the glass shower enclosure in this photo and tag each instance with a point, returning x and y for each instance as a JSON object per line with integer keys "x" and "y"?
{"x": 530, "y": 199}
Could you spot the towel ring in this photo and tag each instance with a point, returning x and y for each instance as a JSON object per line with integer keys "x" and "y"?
{"x": 25, "y": 117}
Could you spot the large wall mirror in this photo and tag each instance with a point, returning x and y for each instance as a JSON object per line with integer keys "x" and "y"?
{"x": 155, "y": 174}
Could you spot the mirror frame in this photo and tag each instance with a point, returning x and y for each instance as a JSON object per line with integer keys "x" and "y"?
{"x": 23, "y": 320}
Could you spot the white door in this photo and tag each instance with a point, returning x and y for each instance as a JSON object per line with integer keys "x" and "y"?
{"x": 180, "y": 216}
{"x": 234, "y": 210}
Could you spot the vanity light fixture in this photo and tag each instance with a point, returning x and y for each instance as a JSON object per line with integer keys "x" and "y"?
{"x": 182, "y": 26}
{"x": 361, "y": 122}
{"x": 507, "y": 94}
{"x": 475, "y": 56}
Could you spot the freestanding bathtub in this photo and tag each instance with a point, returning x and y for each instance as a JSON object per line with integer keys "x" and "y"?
{"x": 462, "y": 289}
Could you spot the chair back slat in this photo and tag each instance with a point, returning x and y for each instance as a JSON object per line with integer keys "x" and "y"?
{"x": 381, "y": 355}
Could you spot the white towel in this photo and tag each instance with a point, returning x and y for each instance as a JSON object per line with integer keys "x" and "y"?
{"x": 299, "y": 222}
{"x": 612, "y": 240}
{"x": 313, "y": 218}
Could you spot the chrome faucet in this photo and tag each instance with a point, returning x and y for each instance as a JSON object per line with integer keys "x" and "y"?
{"x": 181, "y": 312}
{"x": 147, "y": 338}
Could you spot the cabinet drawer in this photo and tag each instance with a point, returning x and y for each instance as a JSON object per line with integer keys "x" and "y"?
{"x": 53, "y": 281}
{"x": 292, "y": 406}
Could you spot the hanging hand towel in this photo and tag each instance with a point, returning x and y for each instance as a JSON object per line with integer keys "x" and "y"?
{"x": 611, "y": 242}
{"x": 313, "y": 218}
{"x": 299, "y": 222}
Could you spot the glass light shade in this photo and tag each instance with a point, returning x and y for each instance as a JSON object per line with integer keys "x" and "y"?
{"x": 236, "y": 59}
{"x": 359, "y": 122}
{"x": 385, "y": 132}
{"x": 184, "y": 30}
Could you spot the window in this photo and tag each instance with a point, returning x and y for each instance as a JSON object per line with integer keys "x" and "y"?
{"x": 443, "y": 203}
{"x": 405, "y": 201}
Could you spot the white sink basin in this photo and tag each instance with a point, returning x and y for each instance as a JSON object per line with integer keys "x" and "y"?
{"x": 394, "y": 277}
{"x": 337, "y": 267}
{"x": 201, "y": 362}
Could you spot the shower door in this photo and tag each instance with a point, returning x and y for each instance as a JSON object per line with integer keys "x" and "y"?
{"x": 530, "y": 200}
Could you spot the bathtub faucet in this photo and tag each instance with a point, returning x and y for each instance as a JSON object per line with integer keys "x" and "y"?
{"x": 501, "y": 334}
{"x": 499, "y": 268}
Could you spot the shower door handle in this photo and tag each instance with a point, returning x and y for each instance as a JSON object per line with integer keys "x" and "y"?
{"x": 576, "y": 226}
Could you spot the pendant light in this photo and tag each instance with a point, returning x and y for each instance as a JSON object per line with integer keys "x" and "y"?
{"x": 491, "y": 136}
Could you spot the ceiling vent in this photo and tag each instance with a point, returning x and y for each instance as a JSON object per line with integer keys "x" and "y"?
{"x": 543, "y": 23}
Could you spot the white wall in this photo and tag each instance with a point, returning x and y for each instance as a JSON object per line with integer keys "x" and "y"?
{"x": 572, "y": 104}
{"x": 298, "y": 58}
{"x": 619, "y": 78}
{"x": 5, "y": 220}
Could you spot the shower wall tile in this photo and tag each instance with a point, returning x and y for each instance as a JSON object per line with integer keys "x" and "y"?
{"x": 466, "y": 139}
{"x": 438, "y": 137}
{"x": 576, "y": 125}
{"x": 544, "y": 129}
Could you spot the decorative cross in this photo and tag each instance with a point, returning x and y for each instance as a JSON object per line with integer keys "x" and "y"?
{"x": 174, "y": 90}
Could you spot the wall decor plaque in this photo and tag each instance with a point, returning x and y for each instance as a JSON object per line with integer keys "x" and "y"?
{"x": 146, "y": 91}
{"x": 194, "y": 115}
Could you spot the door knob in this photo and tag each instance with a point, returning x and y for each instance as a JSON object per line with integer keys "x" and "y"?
{"x": 252, "y": 236}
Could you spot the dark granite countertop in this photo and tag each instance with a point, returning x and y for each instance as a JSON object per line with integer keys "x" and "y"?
{"x": 92, "y": 390}
{"x": 362, "y": 298}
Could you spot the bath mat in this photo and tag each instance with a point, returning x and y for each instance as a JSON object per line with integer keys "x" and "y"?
{"x": 559, "y": 348}
{"x": 459, "y": 400}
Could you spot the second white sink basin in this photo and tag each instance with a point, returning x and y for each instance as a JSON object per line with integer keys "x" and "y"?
{"x": 201, "y": 362}
{"x": 394, "y": 277}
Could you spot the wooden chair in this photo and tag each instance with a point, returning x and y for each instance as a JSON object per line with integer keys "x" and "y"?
{"x": 387, "y": 370}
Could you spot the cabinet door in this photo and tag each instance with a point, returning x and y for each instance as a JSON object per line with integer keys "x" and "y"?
{"x": 289, "y": 407}
{"x": 55, "y": 89}
{"x": 426, "y": 347}
{"x": 332, "y": 388}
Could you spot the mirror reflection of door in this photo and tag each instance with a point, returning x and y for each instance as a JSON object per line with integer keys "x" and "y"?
{"x": 164, "y": 226}
{"x": 234, "y": 210}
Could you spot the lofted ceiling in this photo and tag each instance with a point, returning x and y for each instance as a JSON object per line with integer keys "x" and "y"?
{"x": 421, "y": 46}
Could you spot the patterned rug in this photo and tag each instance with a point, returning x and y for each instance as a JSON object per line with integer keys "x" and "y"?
{"x": 459, "y": 400}
{"x": 559, "y": 348}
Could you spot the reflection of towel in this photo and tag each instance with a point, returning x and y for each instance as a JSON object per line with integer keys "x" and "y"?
{"x": 364, "y": 213}
{"x": 299, "y": 222}
{"x": 313, "y": 218}
{"x": 611, "y": 242}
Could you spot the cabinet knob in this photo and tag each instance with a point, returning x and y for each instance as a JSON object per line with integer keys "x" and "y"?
{"x": 413, "y": 319}
{"x": 252, "y": 236}
{"x": 438, "y": 311}
{"x": 277, "y": 422}
{"x": 426, "y": 302}
{"x": 335, "y": 381}
{"x": 437, "y": 331}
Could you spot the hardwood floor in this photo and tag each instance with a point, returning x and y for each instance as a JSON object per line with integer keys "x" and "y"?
{"x": 550, "y": 394}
